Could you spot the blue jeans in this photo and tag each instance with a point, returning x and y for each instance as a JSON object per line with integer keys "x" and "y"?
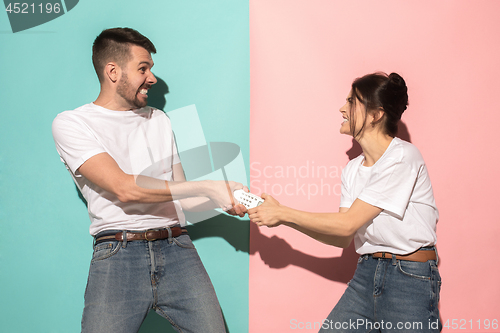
{"x": 127, "y": 279}
{"x": 389, "y": 295}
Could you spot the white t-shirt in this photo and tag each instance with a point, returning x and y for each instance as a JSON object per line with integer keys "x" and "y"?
{"x": 140, "y": 141}
{"x": 399, "y": 184}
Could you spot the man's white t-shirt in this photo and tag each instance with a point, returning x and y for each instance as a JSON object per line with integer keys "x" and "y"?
{"x": 140, "y": 141}
{"x": 399, "y": 184}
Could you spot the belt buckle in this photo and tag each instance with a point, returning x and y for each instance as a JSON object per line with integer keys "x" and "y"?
{"x": 146, "y": 236}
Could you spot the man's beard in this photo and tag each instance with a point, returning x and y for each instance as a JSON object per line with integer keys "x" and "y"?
{"x": 124, "y": 89}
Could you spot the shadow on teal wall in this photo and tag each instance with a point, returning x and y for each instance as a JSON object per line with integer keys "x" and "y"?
{"x": 155, "y": 323}
{"x": 203, "y": 58}
{"x": 234, "y": 232}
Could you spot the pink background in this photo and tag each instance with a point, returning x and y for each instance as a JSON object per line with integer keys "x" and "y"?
{"x": 304, "y": 56}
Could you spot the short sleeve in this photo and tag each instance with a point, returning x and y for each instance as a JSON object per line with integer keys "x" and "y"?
{"x": 75, "y": 143}
{"x": 345, "y": 198}
{"x": 175, "y": 154}
{"x": 390, "y": 187}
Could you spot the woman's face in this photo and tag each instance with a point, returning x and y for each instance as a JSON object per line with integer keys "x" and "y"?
{"x": 350, "y": 115}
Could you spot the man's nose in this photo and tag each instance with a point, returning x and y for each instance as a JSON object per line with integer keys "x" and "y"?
{"x": 152, "y": 79}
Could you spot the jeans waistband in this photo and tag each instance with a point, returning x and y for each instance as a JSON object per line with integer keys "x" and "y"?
{"x": 423, "y": 254}
{"x": 148, "y": 235}
{"x": 115, "y": 231}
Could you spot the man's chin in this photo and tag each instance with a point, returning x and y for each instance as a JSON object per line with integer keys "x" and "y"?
{"x": 141, "y": 103}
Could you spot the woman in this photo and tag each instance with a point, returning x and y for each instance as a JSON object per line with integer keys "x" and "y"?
{"x": 388, "y": 208}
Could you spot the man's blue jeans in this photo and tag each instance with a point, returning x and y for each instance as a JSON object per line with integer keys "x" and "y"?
{"x": 127, "y": 279}
{"x": 389, "y": 295}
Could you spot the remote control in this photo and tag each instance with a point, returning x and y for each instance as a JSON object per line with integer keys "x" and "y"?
{"x": 247, "y": 199}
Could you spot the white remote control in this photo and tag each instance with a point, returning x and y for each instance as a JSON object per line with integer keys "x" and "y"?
{"x": 247, "y": 199}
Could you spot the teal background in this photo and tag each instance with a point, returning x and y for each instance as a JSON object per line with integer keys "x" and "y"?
{"x": 203, "y": 59}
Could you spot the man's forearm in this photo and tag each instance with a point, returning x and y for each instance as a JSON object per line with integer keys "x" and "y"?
{"x": 198, "y": 204}
{"x": 151, "y": 190}
{"x": 103, "y": 171}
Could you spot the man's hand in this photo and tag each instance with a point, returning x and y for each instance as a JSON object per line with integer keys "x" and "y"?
{"x": 238, "y": 209}
{"x": 267, "y": 214}
{"x": 222, "y": 195}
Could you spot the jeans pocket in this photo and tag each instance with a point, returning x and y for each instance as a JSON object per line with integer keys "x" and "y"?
{"x": 436, "y": 282}
{"x": 362, "y": 258}
{"x": 184, "y": 241}
{"x": 418, "y": 270}
{"x": 105, "y": 250}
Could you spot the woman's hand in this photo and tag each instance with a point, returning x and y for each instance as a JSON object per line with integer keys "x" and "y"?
{"x": 267, "y": 214}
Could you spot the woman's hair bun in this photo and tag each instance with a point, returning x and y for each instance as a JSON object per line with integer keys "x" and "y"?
{"x": 396, "y": 80}
{"x": 395, "y": 94}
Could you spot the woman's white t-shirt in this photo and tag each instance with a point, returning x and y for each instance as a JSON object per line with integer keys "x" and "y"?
{"x": 399, "y": 184}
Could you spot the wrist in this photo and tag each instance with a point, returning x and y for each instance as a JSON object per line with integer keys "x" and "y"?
{"x": 287, "y": 214}
{"x": 283, "y": 213}
{"x": 207, "y": 188}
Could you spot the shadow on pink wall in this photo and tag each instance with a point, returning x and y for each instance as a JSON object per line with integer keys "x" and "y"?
{"x": 276, "y": 253}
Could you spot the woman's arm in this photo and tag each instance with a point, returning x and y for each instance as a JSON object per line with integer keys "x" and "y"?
{"x": 338, "y": 241}
{"x": 336, "y": 229}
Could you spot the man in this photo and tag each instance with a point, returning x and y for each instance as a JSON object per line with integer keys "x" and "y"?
{"x": 122, "y": 156}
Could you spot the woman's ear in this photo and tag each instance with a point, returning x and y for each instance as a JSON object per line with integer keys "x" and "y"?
{"x": 377, "y": 116}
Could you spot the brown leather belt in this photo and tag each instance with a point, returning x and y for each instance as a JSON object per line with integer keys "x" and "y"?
{"x": 419, "y": 255}
{"x": 149, "y": 235}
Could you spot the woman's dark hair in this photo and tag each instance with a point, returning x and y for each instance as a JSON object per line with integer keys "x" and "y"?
{"x": 379, "y": 90}
{"x": 114, "y": 45}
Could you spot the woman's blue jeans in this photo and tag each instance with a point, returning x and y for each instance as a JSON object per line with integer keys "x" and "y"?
{"x": 389, "y": 295}
{"x": 127, "y": 279}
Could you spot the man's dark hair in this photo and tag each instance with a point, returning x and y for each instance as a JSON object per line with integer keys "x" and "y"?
{"x": 114, "y": 45}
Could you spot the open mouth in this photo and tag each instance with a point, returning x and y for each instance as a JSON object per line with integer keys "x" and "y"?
{"x": 143, "y": 92}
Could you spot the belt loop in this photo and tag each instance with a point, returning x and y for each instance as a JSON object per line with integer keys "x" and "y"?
{"x": 169, "y": 235}
{"x": 394, "y": 260}
{"x": 437, "y": 256}
{"x": 124, "y": 234}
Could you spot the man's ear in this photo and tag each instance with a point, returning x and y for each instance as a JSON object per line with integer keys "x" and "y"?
{"x": 112, "y": 71}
